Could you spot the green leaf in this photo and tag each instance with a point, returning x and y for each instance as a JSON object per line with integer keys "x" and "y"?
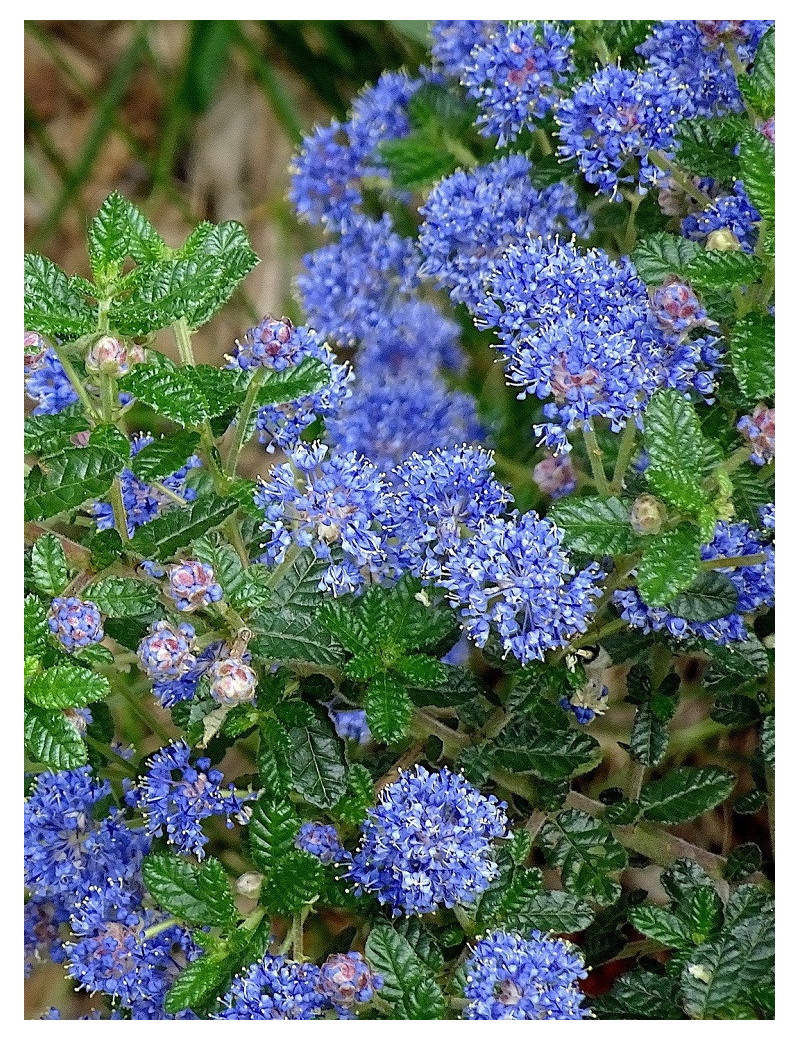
{"x": 161, "y": 538}
{"x": 203, "y": 980}
{"x": 317, "y": 762}
{"x": 553, "y": 755}
{"x": 640, "y": 994}
{"x": 49, "y": 434}
{"x": 55, "y": 304}
{"x": 272, "y": 830}
{"x": 274, "y": 750}
{"x": 656, "y": 922}
{"x": 587, "y": 853}
{"x": 67, "y": 686}
{"x": 293, "y": 882}
{"x": 768, "y": 741}
{"x": 670, "y": 564}
{"x": 35, "y": 628}
{"x": 686, "y": 793}
{"x": 123, "y": 597}
{"x": 711, "y": 595}
{"x": 197, "y": 894}
{"x": 649, "y": 736}
{"x": 595, "y": 525}
{"x": 672, "y": 435}
{"x": 759, "y": 85}
{"x": 757, "y": 157}
{"x": 164, "y": 457}
{"x": 49, "y": 565}
{"x": 752, "y": 354}
{"x": 417, "y": 160}
{"x": 389, "y": 708}
{"x": 293, "y": 384}
{"x": 358, "y": 798}
{"x": 68, "y": 480}
{"x": 108, "y": 239}
{"x": 743, "y": 861}
{"x": 407, "y": 986}
{"x": 734, "y": 663}
{"x": 167, "y": 389}
{"x": 717, "y": 269}
{"x": 704, "y": 914}
{"x": 660, "y": 255}
{"x": 706, "y": 146}
{"x": 52, "y": 739}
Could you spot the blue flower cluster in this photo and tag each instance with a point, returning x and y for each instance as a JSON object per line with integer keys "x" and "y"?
{"x": 755, "y": 585}
{"x": 533, "y": 977}
{"x": 328, "y": 503}
{"x": 695, "y": 53}
{"x": 143, "y": 502}
{"x": 166, "y": 652}
{"x": 76, "y": 623}
{"x": 515, "y": 75}
{"x": 617, "y": 117}
{"x": 351, "y": 724}
{"x": 346, "y": 979}
{"x": 390, "y": 417}
{"x": 438, "y": 498}
{"x": 278, "y": 345}
{"x": 278, "y": 989}
{"x": 453, "y": 43}
{"x": 578, "y": 327}
{"x": 176, "y": 805}
{"x": 42, "y": 919}
{"x": 347, "y": 285}
{"x": 734, "y": 214}
{"x": 516, "y": 577}
{"x": 46, "y": 382}
{"x": 428, "y": 843}
{"x": 320, "y": 840}
{"x": 412, "y": 339}
{"x": 328, "y": 171}
{"x": 759, "y": 429}
{"x": 470, "y": 217}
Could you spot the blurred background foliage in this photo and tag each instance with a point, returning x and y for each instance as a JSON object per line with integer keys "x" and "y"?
{"x": 191, "y": 120}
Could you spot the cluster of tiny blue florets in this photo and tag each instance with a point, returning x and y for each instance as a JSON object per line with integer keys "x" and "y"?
{"x": 175, "y": 797}
{"x": 278, "y": 345}
{"x": 46, "y": 382}
{"x": 320, "y": 840}
{"x": 412, "y": 339}
{"x": 531, "y": 976}
{"x": 470, "y": 217}
{"x": 755, "y": 585}
{"x": 734, "y": 213}
{"x": 454, "y": 41}
{"x": 326, "y": 503}
{"x": 515, "y": 75}
{"x": 192, "y": 585}
{"x": 428, "y": 843}
{"x": 759, "y": 429}
{"x": 276, "y": 988}
{"x": 694, "y": 52}
{"x": 143, "y": 502}
{"x": 515, "y": 577}
{"x": 346, "y": 980}
{"x": 351, "y": 724}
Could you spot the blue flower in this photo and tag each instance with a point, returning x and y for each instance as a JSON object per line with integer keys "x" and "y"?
{"x": 169, "y": 692}
{"x": 66, "y": 848}
{"x": 192, "y": 585}
{"x": 387, "y": 418}
{"x": 412, "y": 339}
{"x": 278, "y": 989}
{"x": 453, "y": 42}
{"x": 42, "y": 917}
{"x": 48, "y": 384}
{"x": 166, "y": 652}
{"x": 618, "y": 116}
{"x": 326, "y": 503}
{"x": 176, "y": 807}
{"x": 351, "y": 724}
{"x": 515, "y": 75}
{"x": 428, "y": 843}
{"x": 695, "y": 53}
{"x": 76, "y": 623}
{"x": 515, "y": 576}
{"x": 320, "y": 840}
{"x": 755, "y": 586}
{"x": 346, "y": 979}
{"x": 531, "y": 976}
{"x": 113, "y": 954}
{"x": 438, "y": 497}
{"x": 347, "y": 285}
{"x": 470, "y": 217}
{"x": 767, "y": 516}
{"x": 143, "y": 502}
{"x": 734, "y": 213}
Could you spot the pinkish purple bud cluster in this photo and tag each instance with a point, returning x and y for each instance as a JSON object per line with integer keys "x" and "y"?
{"x": 232, "y": 681}
{"x": 76, "y": 623}
{"x": 759, "y": 429}
{"x": 167, "y": 652}
{"x": 347, "y": 979}
{"x": 192, "y": 585}
{"x": 676, "y": 307}
{"x": 111, "y": 357}
{"x": 555, "y": 476}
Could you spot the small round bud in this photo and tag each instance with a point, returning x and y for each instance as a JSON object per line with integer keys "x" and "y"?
{"x": 723, "y": 240}
{"x": 759, "y": 429}
{"x": 232, "y": 681}
{"x": 555, "y": 476}
{"x": 347, "y": 979}
{"x": 647, "y": 514}
{"x": 75, "y": 622}
{"x": 192, "y": 585}
{"x": 35, "y": 349}
{"x": 109, "y": 356}
{"x": 166, "y": 653}
{"x": 249, "y": 884}
{"x": 676, "y": 307}
{"x": 768, "y": 129}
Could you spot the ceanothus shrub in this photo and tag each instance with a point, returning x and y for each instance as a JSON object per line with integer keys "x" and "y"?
{"x": 496, "y": 617}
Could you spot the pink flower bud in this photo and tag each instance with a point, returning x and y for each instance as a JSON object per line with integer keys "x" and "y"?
{"x": 232, "y": 681}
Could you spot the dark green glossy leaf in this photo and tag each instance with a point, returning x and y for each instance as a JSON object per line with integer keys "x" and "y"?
{"x": 52, "y": 739}
{"x": 69, "y": 480}
{"x": 595, "y": 525}
{"x": 196, "y": 894}
{"x": 67, "y": 686}
{"x": 49, "y": 565}
{"x": 317, "y": 762}
{"x": 161, "y": 538}
{"x": 123, "y": 597}
{"x": 686, "y": 793}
